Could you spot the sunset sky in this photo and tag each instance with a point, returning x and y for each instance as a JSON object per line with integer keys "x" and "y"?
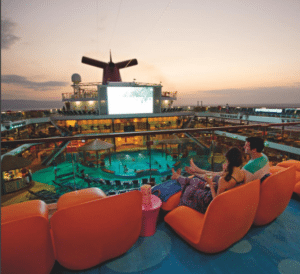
{"x": 214, "y": 51}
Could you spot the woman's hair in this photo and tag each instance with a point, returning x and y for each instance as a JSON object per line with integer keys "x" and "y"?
{"x": 235, "y": 159}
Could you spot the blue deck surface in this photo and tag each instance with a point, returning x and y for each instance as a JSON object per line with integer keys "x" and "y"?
{"x": 274, "y": 248}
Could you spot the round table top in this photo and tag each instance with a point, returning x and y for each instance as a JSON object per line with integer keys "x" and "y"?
{"x": 155, "y": 203}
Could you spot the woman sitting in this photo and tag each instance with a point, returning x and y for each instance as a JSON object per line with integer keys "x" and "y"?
{"x": 199, "y": 190}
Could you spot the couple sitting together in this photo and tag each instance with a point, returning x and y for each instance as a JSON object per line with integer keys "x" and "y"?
{"x": 201, "y": 188}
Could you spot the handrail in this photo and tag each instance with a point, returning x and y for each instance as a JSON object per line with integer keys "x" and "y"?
{"x": 140, "y": 133}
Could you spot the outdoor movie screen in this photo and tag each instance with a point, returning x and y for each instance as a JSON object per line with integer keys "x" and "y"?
{"x": 130, "y": 100}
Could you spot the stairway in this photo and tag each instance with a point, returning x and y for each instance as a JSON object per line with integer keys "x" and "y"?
{"x": 55, "y": 153}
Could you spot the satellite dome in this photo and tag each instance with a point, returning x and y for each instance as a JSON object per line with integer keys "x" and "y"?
{"x": 76, "y": 78}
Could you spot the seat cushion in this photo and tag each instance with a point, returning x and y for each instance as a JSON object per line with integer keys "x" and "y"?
{"x": 187, "y": 222}
{"x": 172, "y": 202}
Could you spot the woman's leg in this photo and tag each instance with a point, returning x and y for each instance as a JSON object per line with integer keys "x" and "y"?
{"x": 176, "y": 175}
{"x": 193, "y": 169}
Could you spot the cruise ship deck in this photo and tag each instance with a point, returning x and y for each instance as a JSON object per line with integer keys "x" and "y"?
{"x": 274, "y": 248}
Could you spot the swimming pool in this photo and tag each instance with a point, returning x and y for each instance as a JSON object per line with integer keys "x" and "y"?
{"x": 127, "y": 165}
{"x": 133, "y": 163}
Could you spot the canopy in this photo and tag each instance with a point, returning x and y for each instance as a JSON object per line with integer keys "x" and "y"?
{"x": 10, "y": 162}
{"x": 172, "y": 140}
{"x": 96, "y": 145}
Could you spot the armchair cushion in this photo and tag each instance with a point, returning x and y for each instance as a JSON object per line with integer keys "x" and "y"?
{"x": 187, "y": 221}
{"x": 172, "y": 202}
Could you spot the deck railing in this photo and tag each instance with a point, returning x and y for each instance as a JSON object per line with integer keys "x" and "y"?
{"x": 74, "y": 169}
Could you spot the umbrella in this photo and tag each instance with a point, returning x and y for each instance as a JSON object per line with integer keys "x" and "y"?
{"x": 171, "y": 140}
{"x": 96, "y": 145}
{"x": 10, "y": 162}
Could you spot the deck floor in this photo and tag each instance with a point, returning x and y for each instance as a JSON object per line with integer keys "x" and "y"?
{"x": 274, "y": 248}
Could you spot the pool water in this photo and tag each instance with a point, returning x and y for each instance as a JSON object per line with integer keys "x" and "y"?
{"x": 126, "y": 166}
{"x": 128, "y": 163}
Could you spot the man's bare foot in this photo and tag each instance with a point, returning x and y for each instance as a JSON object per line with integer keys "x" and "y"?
{"x": 175, "y": 174}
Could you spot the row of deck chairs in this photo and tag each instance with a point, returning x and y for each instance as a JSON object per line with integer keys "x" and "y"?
{"x": 116, "y": 192}
{"x": 44, "y": 195}
{"x": 78, "y": 112}
{"x": 171, "y": 109}
{"x": 126, "y": 186}
{"x": 117, "y": 183}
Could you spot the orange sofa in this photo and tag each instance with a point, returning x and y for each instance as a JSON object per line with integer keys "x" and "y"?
{"x": 275, "y": 194}
{"x": 226, "y": 220}
{"x": 26, "y": 245}
{"x": 89, "y": 233}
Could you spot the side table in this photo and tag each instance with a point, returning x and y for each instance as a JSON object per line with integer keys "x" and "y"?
{"x": 150, "y": 216}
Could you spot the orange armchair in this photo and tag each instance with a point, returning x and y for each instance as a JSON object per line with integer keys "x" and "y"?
{"x": 26, "y": 245}
{"x": 90, "y": 233}
{"x": 295, "y": 163}
{"x": 226, "y": 220}
{"x": 275, "y": 194}
{"x": 290, "y": 163}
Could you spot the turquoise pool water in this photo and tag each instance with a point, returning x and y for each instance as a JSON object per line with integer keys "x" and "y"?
{"x": 125, "y": 165}
{"x": 133, "y": 162}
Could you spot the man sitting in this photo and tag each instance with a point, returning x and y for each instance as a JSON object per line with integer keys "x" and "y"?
{"x": 258, "y": 165}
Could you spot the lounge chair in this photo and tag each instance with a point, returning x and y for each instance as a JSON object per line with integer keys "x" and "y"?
{"x": 69, "y": 186}
{"x": 44, "y": 195}
{"x": 108, "y": 182}
{"x": 88, "y": 181}
{"x": 226, "y": 220}
{"x": 275, "y": 194}
{"x": 98, "y": 181}
{"x": 92, "y": 232}
{"x": 126, "y": 184}
{"x": 118, "y": 183}
{"x": 112, "y": 192}
{"x": 26, "y": 245}
{"x": 136, "y": 183}
{"x": 144, "y": 181}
